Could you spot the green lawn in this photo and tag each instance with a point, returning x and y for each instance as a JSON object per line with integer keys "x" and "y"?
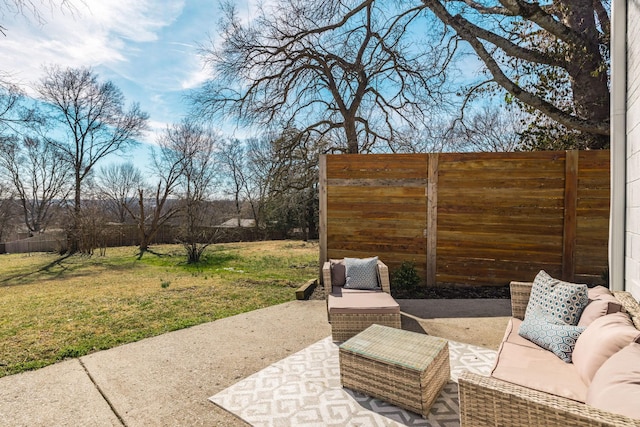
{"x": 52, "y": 309}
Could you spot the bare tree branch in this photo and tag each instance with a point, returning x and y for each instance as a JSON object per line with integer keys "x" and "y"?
{"x": 310, "y": 68}
{"x": 92, "y": 116}
{"x": 539, "y": 50}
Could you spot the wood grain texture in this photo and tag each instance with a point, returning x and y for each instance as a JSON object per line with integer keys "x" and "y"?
{"x": 470, "y": 218}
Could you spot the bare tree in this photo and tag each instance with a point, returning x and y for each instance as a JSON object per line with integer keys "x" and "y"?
{"x": 158, "y": 204}
{"x": 119, "y": 183}
{"x": 491, "y": 129}
{"x": 292, "y": 196}
{"x": 261, "y": 166}
{"x": 31, "y": 8}
{"x": 550, "y": 56}
{"x": 93, "y": 223}
{"x": 195, "y": 145}
{"x": 91, "y": 114}
{"x": 325, "y": 67}
{"x": 434, "y": 138}
{"x": 233, "y": 165}
{"x": 7, "y": 209}
{"x": 10, "y": 97}
{"x": 39, "y": 176}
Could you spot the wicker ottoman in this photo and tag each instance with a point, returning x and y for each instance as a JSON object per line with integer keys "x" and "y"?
{"x": 404, "y": 368}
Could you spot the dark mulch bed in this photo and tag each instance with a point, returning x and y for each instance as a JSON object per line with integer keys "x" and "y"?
{"x": 454, "y": 292}
{"x": 441, "y": 292}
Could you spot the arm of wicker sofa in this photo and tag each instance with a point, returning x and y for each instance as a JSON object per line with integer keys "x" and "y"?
{"x": 486, "y": 401}
{"x": 383, "y": 275}
{"x": 326, "y": 278}
{"x": 520, "y": 292}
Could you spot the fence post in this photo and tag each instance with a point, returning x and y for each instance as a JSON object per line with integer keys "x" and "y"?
{"x": 432, "y": 218}
{"x": 322, "y": 220}
{"x": 570, "y": 214}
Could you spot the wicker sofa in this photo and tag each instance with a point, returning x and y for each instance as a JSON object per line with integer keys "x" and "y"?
{"x": 491, "y": 401}
{"x": 351, "y": 311}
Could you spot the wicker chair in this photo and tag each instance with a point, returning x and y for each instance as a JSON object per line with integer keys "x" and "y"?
{"x": 487, "y": 401}
{"x": 347, "y": 313}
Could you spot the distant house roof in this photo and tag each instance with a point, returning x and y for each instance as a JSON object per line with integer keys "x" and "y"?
{"x": 233, "y": 223}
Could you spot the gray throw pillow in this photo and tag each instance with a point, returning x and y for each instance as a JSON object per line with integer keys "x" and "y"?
{"x": 361, "y": 273}
{"x": 560, "y": 339}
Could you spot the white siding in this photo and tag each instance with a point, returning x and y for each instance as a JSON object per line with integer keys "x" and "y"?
{"x": 632, "y": 246}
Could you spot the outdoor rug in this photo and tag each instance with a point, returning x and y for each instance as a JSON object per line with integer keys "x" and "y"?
{"x": 304, "y": 390}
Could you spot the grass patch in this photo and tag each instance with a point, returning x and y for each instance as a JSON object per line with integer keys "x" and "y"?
{"x": 54, "y": 308}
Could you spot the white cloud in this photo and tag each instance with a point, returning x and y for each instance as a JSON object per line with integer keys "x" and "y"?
{"x": 138, "y": 21}
{"x": 97, "y": 33}
{"x": 195, "y": 78}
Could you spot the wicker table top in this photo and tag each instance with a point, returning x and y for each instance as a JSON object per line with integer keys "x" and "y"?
{"x": 395, "y": 346}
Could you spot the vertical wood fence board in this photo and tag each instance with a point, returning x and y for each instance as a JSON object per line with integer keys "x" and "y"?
{"x": 570, "y": 208}
{"x": 322, "y": 213}
{"x": 432, "y": 220}
{"x": 591, "y": 254}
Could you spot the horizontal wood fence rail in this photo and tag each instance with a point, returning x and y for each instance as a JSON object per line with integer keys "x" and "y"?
{"x": 127, "y": 235}
{"x": 470, "y": 218}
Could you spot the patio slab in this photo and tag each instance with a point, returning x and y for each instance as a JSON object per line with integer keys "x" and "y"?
{"x": 57, "y": 395}
{"x": 480, "y": 322}
{"x": 167, "y": 380}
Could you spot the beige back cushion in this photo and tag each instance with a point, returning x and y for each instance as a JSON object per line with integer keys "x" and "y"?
{"x": 616, "y": 386}
{"x": 602, "y": 339}
{"x": 598, "y": 308}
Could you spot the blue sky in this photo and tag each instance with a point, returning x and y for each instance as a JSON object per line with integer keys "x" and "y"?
{"x": 148, "y": 48}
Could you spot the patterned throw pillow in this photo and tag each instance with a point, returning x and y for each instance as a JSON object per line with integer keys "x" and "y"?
{"x": 557, "y": 338}
{"x": 362, "y": 273}
{"x": 561, "y": 302}
{"x": 552, "y": 314}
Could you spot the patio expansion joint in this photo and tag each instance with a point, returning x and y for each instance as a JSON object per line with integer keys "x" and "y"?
{"x": 102, "y": 393}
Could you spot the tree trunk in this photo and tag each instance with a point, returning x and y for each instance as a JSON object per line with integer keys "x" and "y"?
{"x": 590, "y": 90}
{"x": 351, "y": 134}
{"x": 73, "y": 239}
{"x": 142, "y": 232}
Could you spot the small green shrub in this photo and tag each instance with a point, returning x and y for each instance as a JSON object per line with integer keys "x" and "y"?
{"x": 164, "y": 284}
{"x": 405, "y": 277}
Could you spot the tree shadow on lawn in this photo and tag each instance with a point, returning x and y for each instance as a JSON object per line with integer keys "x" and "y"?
{"x": 55, "y": 269}
{"x": 46, "y": 268}
{"x": 152, "y": 252}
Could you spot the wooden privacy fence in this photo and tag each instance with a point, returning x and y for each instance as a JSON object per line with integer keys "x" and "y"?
{"x": 49, "y": 242}
{"x": 111, "y": 235}
{"x": 470, "y": 218}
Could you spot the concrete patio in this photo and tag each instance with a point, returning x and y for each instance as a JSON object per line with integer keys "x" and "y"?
{"x": 166, "y": 380}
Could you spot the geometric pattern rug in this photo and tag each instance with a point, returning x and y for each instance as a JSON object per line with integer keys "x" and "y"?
{"x": 304, "y": 390}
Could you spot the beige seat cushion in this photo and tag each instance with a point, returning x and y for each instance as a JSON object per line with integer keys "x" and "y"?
{"x": 616, "y": 385}
{"x": 371, "y": 302}
{"x": 538, "y": 369}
